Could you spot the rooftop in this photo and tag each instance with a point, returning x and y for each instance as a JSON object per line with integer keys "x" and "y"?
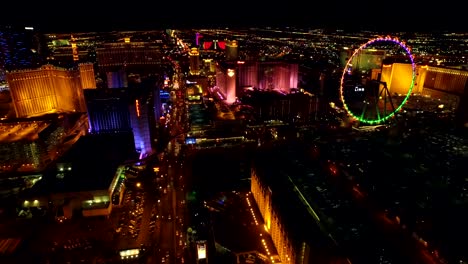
{"x": 90, "y": 164}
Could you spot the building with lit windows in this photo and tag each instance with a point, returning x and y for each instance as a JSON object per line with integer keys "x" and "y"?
{"x": 288, "y": 218}
{"x": 268, "y": 75}
{"x": 194, "y": 67}
{"x": 449, "y": 85}
{"x": 226, "y": 82}
{"x": 68, "y": 50}
{"x": 263, "y": 198}
{"x": 117, "y": 79}
{"x": 88, "y": 184}
{"x": 141, "y": 116}
{"x": 20, "y": 48}
{"x": 88, "y": 80}
{"x": 129, "y": 56}
{"x": 196, "y": 87}
{"x": 233, "y": 78}
{"x": 108, "y": 111}
{"x": 296, "y": 107}
{"x": 125, "y": 111}
{"x": 49, "y": 89}
{"x": 446, "y": 84}
{"x": 28, "y": 145}
{"x": 232, "y": 50}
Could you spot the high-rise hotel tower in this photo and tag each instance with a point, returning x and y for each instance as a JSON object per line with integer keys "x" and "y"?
{"x": 50, "y": 89}
{"x": 232, "y": 53}
{"x": 194, "y": 61}
{"x": 20, "y": 48}
{"x": 121, "y": 111}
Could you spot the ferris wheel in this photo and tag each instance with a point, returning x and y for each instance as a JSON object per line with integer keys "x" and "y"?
{"x": 363, "y": 90}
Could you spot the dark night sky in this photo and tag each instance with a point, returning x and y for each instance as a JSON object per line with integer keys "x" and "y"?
{"x": 87, "y": 15}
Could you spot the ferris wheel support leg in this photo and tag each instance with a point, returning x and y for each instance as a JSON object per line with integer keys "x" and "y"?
{"x": 363, "y": 110}
{"x": 377, "y": 110}
{"x": 391, "y": 101}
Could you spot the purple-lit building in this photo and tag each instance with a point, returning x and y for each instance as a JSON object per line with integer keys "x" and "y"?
{"x": 19, "y": 49}
{"x": 124, "y": 110}
{"x": 270, "y": 75}
{"x": 108, "y": 111}
{"x": 232, "y": 50}
{"x": 117, "y": 79}
{"x": 140, "y": 116}
{"x": 233, "y": 77}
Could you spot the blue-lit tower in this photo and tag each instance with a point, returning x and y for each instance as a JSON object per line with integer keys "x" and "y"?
{"x": 108, "y": 110}
{"x": 20, "y": 48}
{"x": 143, "y": 115}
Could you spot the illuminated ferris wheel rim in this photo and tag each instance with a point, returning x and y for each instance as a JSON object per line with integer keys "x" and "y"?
{"x": 345, "y": 70}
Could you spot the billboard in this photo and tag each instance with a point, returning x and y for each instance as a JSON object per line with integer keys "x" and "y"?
{"x": 190, "y": 140}
{"x": 201, "y": 250}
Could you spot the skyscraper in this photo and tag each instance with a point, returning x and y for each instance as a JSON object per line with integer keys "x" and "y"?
{"x": 117, "y": 79}
{"x": 264, "y": 75}
{"x": 145, "y": 110}
{"x": 20, "y": 48}
{"x": 231, "y": 50}
{"x": 124, "y": 110}
{"x": 108, "y": 110}
{"x": 140, "y": 112}
{"x": 88, "y": 80}
{"x": 194, "y": 61}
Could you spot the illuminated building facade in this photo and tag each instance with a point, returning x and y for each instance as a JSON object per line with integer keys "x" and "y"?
{"x": 140, "y": 112}
{"x": 88, "y": 80}
{"x": 295, "y": 107}
{"x": 31, "y": 145}
{"x": 448, "y": 84}
{"x": 284, "y": 214}
{"x": 202, "y": 251}
{"x": 141, "y": 56}
{"x": 232, "y": 53}
{"x": 74, "y": 49}
{"x": 160, "y": 100}
{"x": 20, "y": 48}
{"x": 233, "y": 77}
{"x": 231, "y": 86}
{"x": 263, "y": 198}
{"x": 248, "y": 75}
{"x": 366, "y": 60}
{"x": 276, "y": 76}
{"x": 108, "y": 111}
{"x": 91, "y": 184}
{"x": 209, "y": 66}
{"x": 226, "y": 82}
{"x": 49, "y": 89}
{"x": 280, "y": 76}
{"x": 462, "y": 110}
{"x": 117, "y": 79}
{"x": 124, "y": 110}
{"x": 194, "y": 67}
{"x": 69, "y": 50}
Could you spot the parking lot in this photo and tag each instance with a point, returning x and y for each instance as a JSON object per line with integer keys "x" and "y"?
{"x": 79, "y": 240}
